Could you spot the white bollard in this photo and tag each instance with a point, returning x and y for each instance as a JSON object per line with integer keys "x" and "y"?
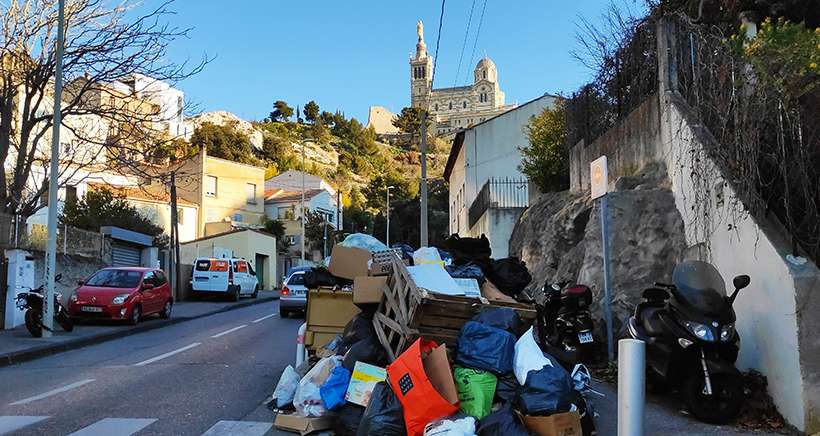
{"x": 300, "y": 345}
{"x": 631, "y": 386}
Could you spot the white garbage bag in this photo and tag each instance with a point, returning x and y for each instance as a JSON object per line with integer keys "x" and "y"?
{"x": 528, "y": 357}
{"x": 286, "y": 388}
{"x": 308, "y": 401}
{"x": 363, "y": 241}
{"x": 451, "y": 427}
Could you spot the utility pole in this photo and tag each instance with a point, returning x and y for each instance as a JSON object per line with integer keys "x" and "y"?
{"x": 302, "y": 206}
{"x": 175, "y": 267}
{"x": 51, "y": 247}
{"x": 423, "y": 178}
{"x": 387, "y": 232}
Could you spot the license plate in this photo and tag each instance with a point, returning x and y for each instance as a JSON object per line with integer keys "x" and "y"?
{"x": 585, "y": 337}
{"x": 91, "y": 309}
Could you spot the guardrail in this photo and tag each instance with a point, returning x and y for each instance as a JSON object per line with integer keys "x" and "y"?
{"x": 504, "y": 193}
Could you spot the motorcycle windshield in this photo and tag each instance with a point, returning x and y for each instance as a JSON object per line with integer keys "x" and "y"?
{"x": 700, "y": 286}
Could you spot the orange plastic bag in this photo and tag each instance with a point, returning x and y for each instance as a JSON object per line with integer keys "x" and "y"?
{"x": 423, "y": 382}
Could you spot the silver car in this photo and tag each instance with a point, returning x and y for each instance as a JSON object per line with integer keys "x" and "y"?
{"x": 293, "y": 297}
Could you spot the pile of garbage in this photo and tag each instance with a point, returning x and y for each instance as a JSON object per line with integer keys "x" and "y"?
{"x": 495, "y": 381}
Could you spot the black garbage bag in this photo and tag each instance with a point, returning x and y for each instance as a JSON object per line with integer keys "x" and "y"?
{"x": 507, "y": 388}
{"x": 465, "y": 250}
{"x": 383, "y": 415}
{"x": 358, "y": 328}
{"x": 502, "y": 422}
{"x": 347, "y": 420}
{"x": 487, "y": 348}
{"x": 468, "y": 270}
{"x": 319, "y": 277}
{"x": 509, "y": 275}
{"x": 504, "y": 318}
{"x": 546, "y": 392}
{"x": 406, "y": 250}
{"x": 587, "y": 419}
{"x": 368, "y": 350}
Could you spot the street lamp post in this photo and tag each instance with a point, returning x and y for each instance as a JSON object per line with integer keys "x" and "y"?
{"x": 387, "y": 232}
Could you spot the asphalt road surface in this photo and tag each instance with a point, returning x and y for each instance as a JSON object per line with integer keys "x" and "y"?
{"x": 206, "y": 376}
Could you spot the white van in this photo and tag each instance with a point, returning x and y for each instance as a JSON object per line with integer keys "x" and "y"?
{"x": 232, "y": 277}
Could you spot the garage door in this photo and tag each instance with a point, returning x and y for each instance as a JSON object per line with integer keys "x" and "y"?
{"x": 123, "y": 255}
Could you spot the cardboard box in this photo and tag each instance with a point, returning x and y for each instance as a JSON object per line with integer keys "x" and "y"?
{"x": 437, "y": 367}
{"x": 348, "y": 262}
{"x": 559, "y": 424}
{"x": 302, "y": 424}
{"x": 362, "y": 382}
{"x": 490, "y": 292}
{"x": 328, "y": 311}
{"x": 368, "y": 290}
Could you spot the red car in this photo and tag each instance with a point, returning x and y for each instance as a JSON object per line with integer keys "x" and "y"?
{"x": 122, "y": 294}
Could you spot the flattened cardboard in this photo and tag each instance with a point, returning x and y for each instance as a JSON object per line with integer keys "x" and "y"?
{"x": 491, "y": 292}
{"x": 559, "y": 424}
{"x": 348, "y": 262}
{"x": 362, "y": 382}
{"x": 368, "y": 290}
{"x": 302, "y": 424}
{"x": 438, "y": 371}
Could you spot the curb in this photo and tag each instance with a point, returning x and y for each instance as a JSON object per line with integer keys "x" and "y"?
{"x": 46, "y": 350}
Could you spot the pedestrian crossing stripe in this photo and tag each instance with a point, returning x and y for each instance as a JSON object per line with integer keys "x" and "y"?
{"x": 129, "y": 426}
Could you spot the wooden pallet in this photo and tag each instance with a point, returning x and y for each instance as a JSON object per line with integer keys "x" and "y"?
{"x": 408, "y": 312}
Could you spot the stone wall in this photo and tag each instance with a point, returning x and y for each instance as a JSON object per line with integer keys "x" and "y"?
{"x": 632, "y": 144}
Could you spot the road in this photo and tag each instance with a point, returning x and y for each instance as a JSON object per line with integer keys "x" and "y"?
{"x": 185, "y": 379}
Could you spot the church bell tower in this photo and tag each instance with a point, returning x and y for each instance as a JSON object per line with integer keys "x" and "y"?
{"x": 421, "y": 70}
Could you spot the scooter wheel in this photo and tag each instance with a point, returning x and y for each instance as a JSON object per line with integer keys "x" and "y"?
{"x": 34, "y": 323}
{"x": 65, "y": 321}
{"x": 722, "y": 406}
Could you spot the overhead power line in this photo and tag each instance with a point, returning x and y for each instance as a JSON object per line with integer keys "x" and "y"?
{"x": 464, "y": 44}
{"x": 438, "y": 40}
{"x": 478, "y": 31}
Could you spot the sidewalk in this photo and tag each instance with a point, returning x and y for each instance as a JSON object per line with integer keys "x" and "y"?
{"x": 17, "y": 345}
{"x": 662, "y": 415}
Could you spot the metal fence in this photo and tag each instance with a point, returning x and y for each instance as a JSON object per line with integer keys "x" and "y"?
{"x": 15, "y": 232}
{"x": 504, "y": 193}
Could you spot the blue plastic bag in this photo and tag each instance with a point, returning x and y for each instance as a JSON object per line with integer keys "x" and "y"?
{"x": 487, "y": 348}
{"x": 504, "y": 318}
{"x": 546, "y": 391}
{"x": 335, "y": 387}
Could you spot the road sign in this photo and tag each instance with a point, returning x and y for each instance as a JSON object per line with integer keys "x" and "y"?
{"x": 598, "y": 177}
{"x": 599, "y": 185}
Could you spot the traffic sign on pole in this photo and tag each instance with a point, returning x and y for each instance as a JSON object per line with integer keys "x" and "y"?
{"x": 599, "y": 186}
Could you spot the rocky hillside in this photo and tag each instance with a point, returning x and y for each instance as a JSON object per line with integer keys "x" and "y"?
{"x": 559, "y": 237}
{"x": 222, "y": 118}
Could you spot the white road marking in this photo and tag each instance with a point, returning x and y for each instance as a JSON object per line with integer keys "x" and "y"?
{"x": 228, "y": 331}
{"x": 53, "y": 392}
{"x": 264, "y": 318}
{"x": 239, "y": 428}
{"x": 114, "y": 427}
{"x": 9, "y": 424}
{"x": 168, "y": 354}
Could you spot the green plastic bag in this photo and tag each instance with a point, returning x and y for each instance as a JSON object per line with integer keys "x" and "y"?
{"x": 476, "y": 389}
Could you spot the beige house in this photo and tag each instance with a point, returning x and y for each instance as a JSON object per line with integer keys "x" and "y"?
{"x": 227, "y": 192}
{"x": 255, "y": 246}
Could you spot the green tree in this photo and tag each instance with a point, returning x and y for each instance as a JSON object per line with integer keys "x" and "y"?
{"x": 311, "y": 111}
{"x": 224, "y": 142}
{"x": 277, "y": 229}
{"x": 546, "y": 160}
{"x": 102, "y": 207}
{"x": 409, "y": 122}
{"x": 327, "y": 118}
{"x": 281, "y": 111}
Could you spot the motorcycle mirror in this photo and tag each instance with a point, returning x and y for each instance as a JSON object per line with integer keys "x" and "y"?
{"x": 58, "y": 277}
{"x": 80, "y": 282}
{"x": 741, "y": 282}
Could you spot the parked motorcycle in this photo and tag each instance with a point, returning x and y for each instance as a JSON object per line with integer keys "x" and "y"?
{"x": 32, "y": 303}
{"x": 563, "y": 323}
{"x": 691, "y": 342}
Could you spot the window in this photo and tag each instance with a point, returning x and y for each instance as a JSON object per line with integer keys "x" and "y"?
{"x": 484, "y": 74}
{"x": 250, "y": 192}
{"x": 237, "y": 217}
{"x": 297, "y": 279}
{"x": 115, "y": 278}
{"x": 285, "y": 213}
{"x": 160, "y": 278}
{"x": 451, "y": 105}
{"x": 149, "y": 278}
{"x": 180, "y": 216}
{"x": 436, "y": 106}
{"x": 180, "y": 106}
{"x": 203, "y": 265}
{"x": 464, "y": 105}
{"x": 70, "y": 194}
{"x": 210, "y": 186}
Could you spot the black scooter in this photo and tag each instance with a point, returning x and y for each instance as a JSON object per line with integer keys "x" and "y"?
{"x": 32, "y": 303}
{"x": 564, "y": 325}
{"x": 691, "y": 342}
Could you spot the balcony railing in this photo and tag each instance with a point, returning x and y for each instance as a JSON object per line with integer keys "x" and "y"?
{"x": 503, "y": 193}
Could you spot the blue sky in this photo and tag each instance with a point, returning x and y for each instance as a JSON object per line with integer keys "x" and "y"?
{"x": 349, "y": 55}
